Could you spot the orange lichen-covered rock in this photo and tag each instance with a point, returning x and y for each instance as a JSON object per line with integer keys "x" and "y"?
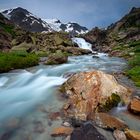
{"x": 88, "y": 90}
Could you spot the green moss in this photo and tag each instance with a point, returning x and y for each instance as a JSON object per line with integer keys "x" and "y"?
{"x": 9, "y": 61}
{"x": 111, "y": 102}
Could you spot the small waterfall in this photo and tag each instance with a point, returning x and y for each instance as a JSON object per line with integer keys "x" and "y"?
{"x": 82, "y": 43}
{"x": 121, "y": 107}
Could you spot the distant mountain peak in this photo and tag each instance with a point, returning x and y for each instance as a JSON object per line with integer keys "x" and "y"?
{"x": 30, "y": 22}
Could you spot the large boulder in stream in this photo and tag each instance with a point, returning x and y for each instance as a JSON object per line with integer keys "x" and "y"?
{"x": 92, "y": 91}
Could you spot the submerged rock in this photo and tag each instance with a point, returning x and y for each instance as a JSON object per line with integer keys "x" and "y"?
{"x": 86, "y": 132}
{"x": 134, "y": 105}
{"x": 54, "y": 116}
{"x": 93, "y": 91}
{"x": 39, "y": 127}
{"x": 132, "y": 135}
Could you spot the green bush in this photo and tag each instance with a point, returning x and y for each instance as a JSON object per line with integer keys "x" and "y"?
{"x": 9, "y": 61}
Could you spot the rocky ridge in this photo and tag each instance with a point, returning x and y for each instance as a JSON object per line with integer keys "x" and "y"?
{"x": 32, "y": 23}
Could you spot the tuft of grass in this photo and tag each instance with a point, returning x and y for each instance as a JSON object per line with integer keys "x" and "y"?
{"x": 134, "y": 74}
{"x": 134, "y": 61}
{"x": 9, "y": 61}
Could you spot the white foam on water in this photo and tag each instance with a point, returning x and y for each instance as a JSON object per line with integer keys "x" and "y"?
{"x": 27, "y": 90}
{"x": 3, "y": 81}
{"x": 82, "y": 43}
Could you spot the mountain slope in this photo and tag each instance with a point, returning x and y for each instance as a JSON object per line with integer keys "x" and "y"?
{"x": 30, "y": 22}
{"x": 126, "y": 30}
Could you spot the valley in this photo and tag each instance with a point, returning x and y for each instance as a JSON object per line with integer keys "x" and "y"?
{"x": 64, "y": 82}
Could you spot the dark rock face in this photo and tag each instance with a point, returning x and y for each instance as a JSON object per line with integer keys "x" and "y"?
{"x": 86, "y": 132}
{"x": 97, "y": 37}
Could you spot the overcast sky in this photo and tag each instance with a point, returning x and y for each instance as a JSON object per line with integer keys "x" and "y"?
{"x": 89, "y": 13}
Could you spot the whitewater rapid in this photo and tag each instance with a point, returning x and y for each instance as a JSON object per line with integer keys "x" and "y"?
{"x": 82, "y": 43}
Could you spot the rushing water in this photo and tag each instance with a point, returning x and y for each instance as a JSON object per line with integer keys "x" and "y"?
{"x": 27, "y": 96}
{"x": 82, "y": 43}
{"x": 23, "y": 93}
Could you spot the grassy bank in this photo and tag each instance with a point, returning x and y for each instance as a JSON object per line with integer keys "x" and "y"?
{"x": 134, "y": 63}
{"x": 131, "y": 52}
{"x": 134, "y": 69}
{"x": 18, "y": 60}
{"x": 133, "y": 55}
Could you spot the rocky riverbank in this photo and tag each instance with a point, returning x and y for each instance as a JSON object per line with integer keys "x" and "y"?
{"x": 90, "y": 97}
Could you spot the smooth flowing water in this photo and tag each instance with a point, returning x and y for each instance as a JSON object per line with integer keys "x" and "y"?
{"x": 28, "y": 96}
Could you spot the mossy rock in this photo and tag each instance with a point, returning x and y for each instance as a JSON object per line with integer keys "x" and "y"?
{"x": 22, "y": 47}
{"x": 58, "y": 40}
{"x": 42, "y": 53}
{"x": 111, "y": 102}
{"x": 57, "y": 58}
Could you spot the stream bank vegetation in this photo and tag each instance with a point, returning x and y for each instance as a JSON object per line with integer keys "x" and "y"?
{"x": 17, "y": 60}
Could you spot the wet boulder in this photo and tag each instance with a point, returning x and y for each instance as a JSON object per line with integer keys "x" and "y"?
{"x": 93, "y": 91}
{"x": 132, "y": 135}
{"x": 56, "y": 58}
{"x": 86, "y": 132}
{"x": 134, "y": 105}
{"x": 107, "y": 121}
